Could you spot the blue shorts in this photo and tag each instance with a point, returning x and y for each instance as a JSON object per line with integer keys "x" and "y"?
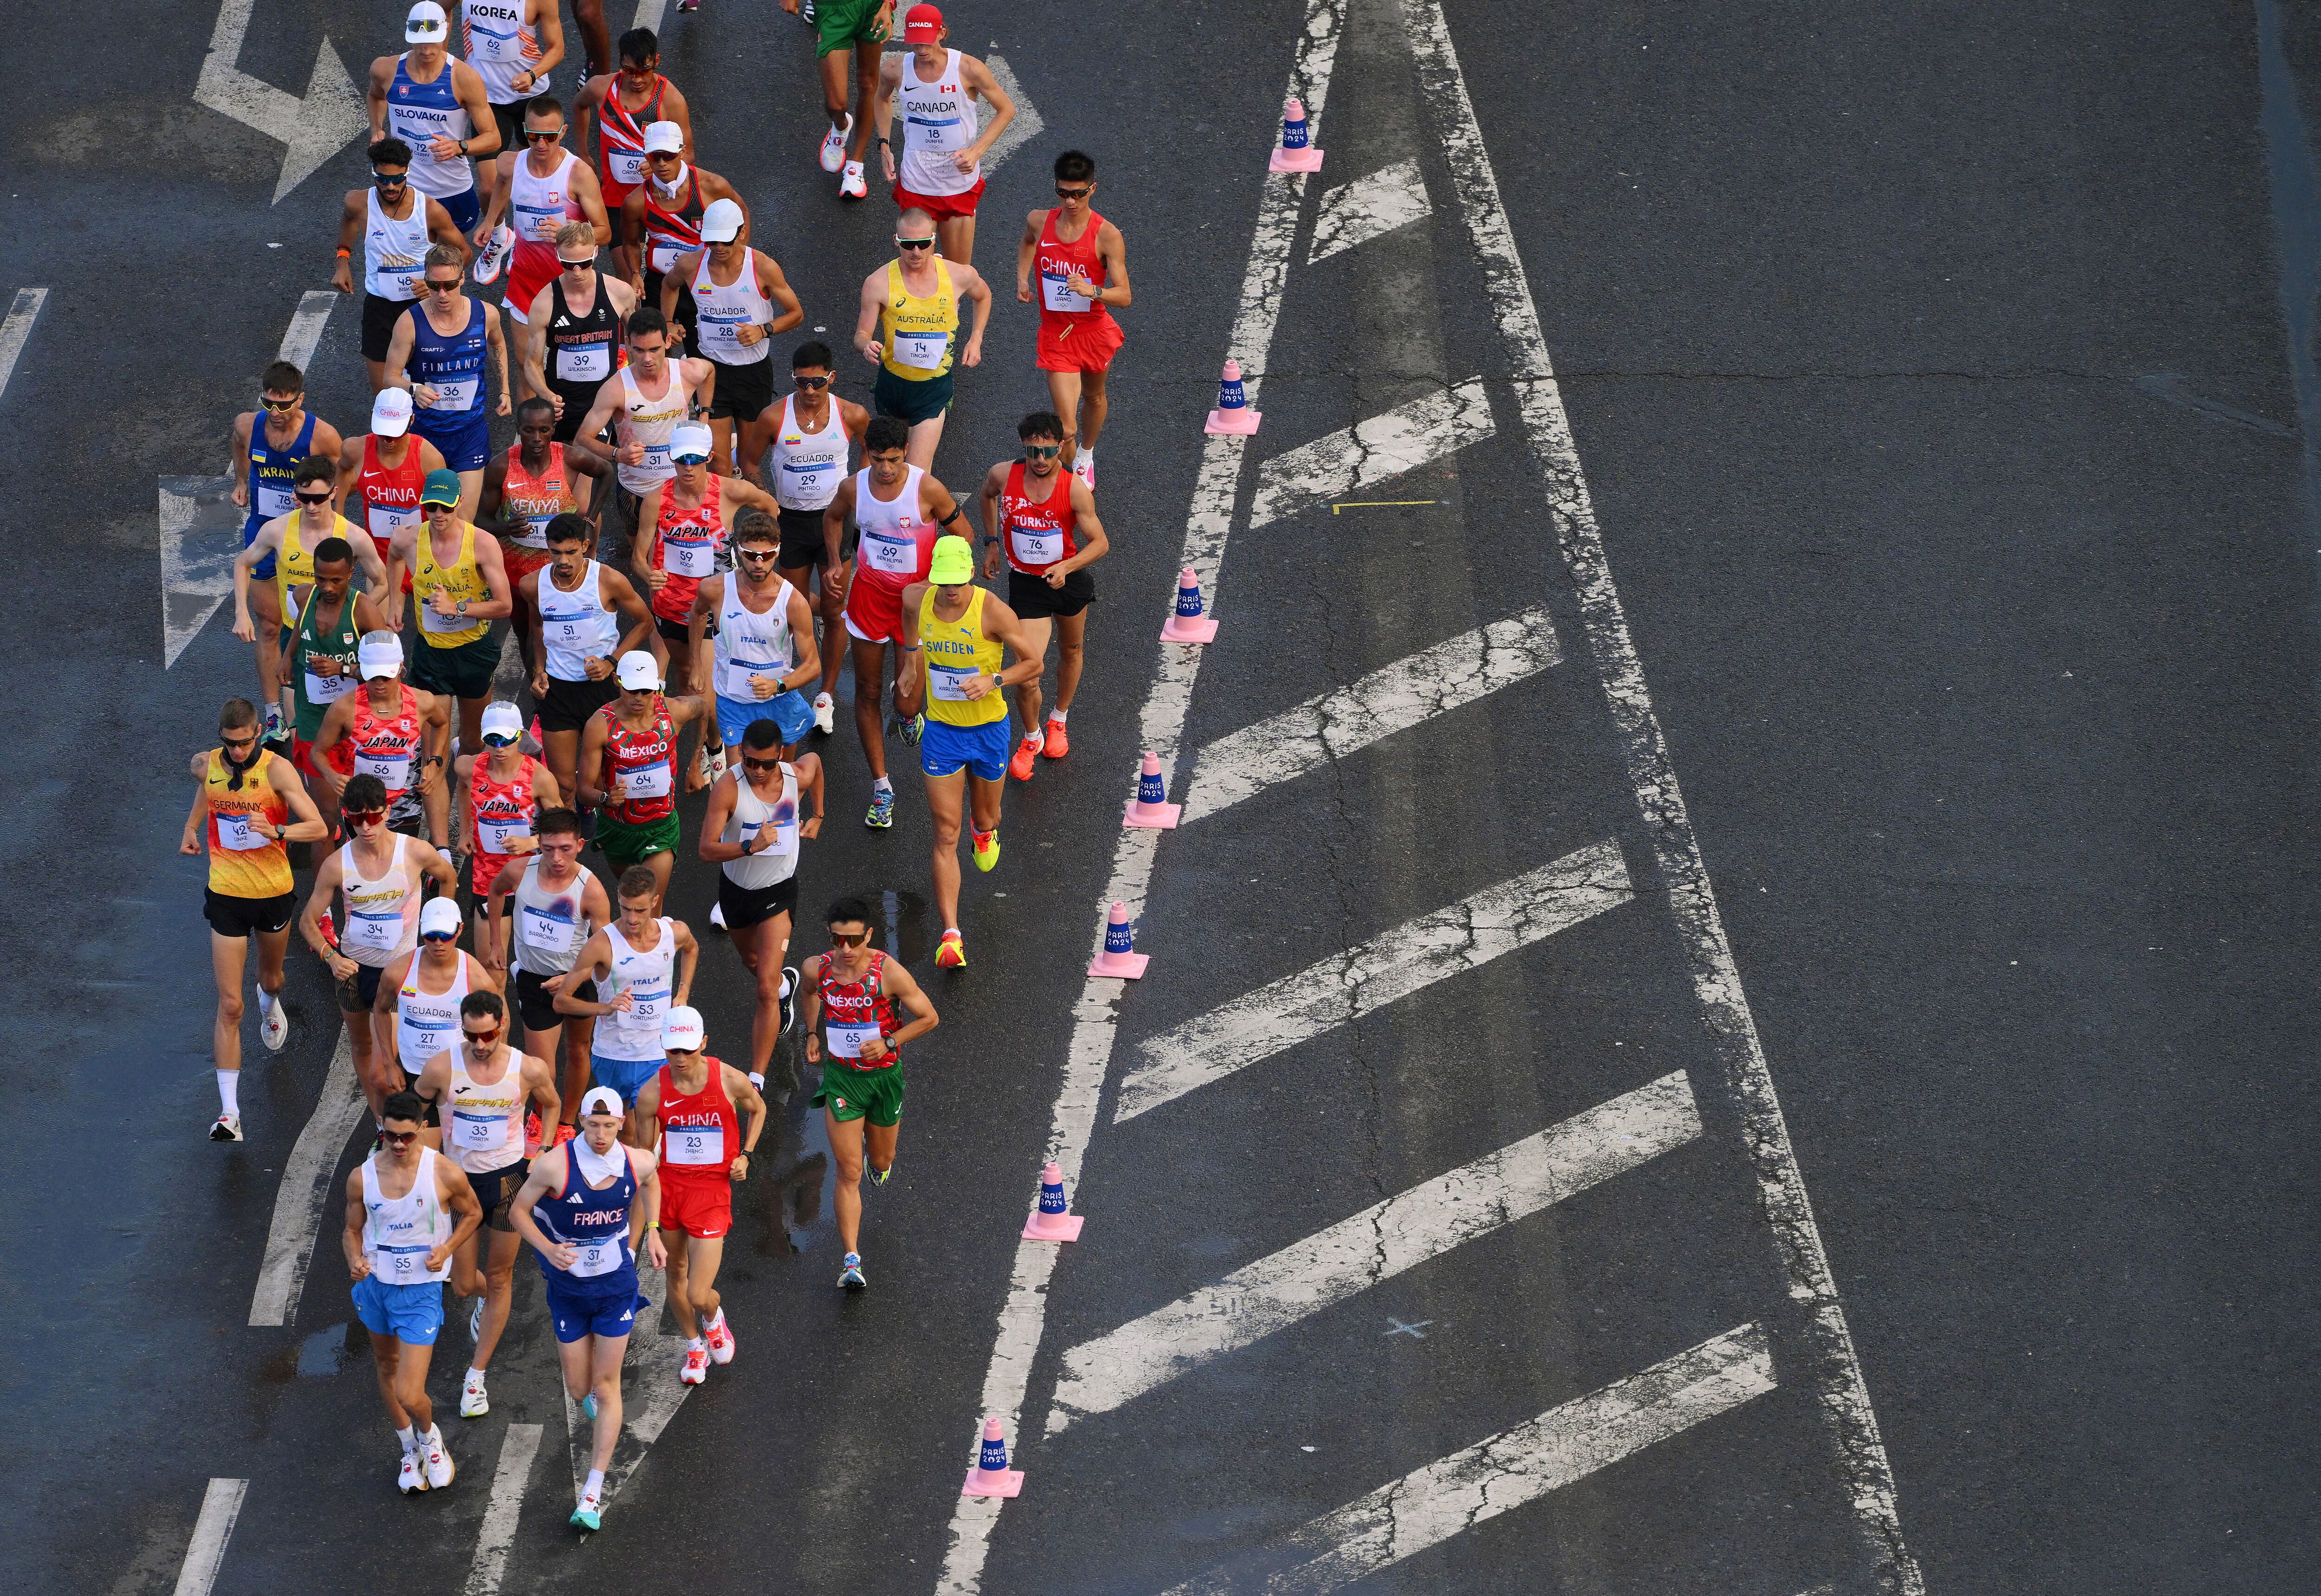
{"x": 465, "y": 210}
{"x": 626, "y": 1077}
{"x": 789, "y": 711}
{"x": 983, "y": 750}
{"x": 910, "y": 400}
{"x": 412, "y": 1314}
{"x": 263, "y": 570}
{"x": 602, "y": 1314}
{"x": 465, "y": 441}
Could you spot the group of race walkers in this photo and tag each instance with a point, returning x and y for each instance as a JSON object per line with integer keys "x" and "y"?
{"x": 749, "y": 560}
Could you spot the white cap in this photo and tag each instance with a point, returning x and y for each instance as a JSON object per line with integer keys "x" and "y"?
{"x": 601, "y": 1100}
{"x": 636, "y": 670}
{"x": 390, "y": 413}
{"x": 425, "y": 11}
{"x": 681, "y": 1031}
{"x": 689, "y": 438}
{"x": 665, "y": 135}
{"x": 441, "y": 914}
{"x": 503, "y": 719}
{"x": 380, "y": 654}
{"x": 720, "y": 222}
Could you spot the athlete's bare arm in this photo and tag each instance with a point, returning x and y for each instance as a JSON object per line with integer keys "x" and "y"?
{"x": 906, "y": 992}
{"x": 351, "y": 1238}
{"x": 398, "y": 355}
{"x": 435, "y": 1077}
{"x": 834, "y": 528}
{"x": 777, "y": 287}
{"x": 809, "y": 992}
{"x": 977, "y": 293}
{"x": 595, "y": 963}
{"x": 547, "y": 1175}
{"x": 483, "y": 139}
{"x": 489, "y": 504}
{"x": 382, "y": 78}
{"x": 588, "y": 194}
{"x": 600, "y": 414}
{"x": 809, "y": 665}
{"x": 1003, "y": 625}
{"x": 723, "y": 793}
{"x": 327, "y": 738}
{"x": 327, "y": 875}
{"x": 706, "y": 598}
{"x": 628, "y": 244}
{"x": 546, "y": 794}
{"x": 673, "y": 282}
{"x": 756, "y": 437}
{"x": 701, "y": 382}
{"x": 1027, "y": 250}
{"x": 540, "y": 1089}
{"x": 306, "y": 824}
{"x": 866, "y": 324}
{"x": 494, "y": 952}
{"x": 547, "y": 19}
{"x": 987, "y": 503}
{"x": 676, "y": 108}
{"x": 938, "y": 506}
{"x": 745, "y": 1097}
{"x": 491, "y": 564}
{"x": 809, "y": 774}
{"x": 910, "y": 675}
{"x": 443, "y": 229}
{"x": 590, "y": 769}
{"x": 688, "y": 954}
{"x": 649, "y": 1099}
{"x": 193, "y": 840}
{"x": 350, "y": 225}
{"x": 531, "y": 348}
{"x": 454, "y": 1191}
{"x": 384, "y": 1026}
{"x": 633, "y": 610}
{"x": 241, "y": 425}
{"x": 503, "y": 164}
{"x": 497, "y": 341}
{"x": 644, "y": 1210}
{"x": 882, "y": 109}
{"x": 735, "y": 496}
{"x": 1088, "y": 533}
{"x": 268, "y": 539}
{"x": 1113, "y": 250}
{"x": 648, "y": 540}
{"x": 979, "y": 81}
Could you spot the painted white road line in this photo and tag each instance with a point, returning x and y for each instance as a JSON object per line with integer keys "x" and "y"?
{"x": 518, "y": 1447}
{"x": 17, "y": 328}
{"x": 650, "y": 1394}
{"x": 1342, "y": 988}
{"x": 1390, "y": 197}
{"x": 311, "y": 130}
{"x": 1717, "y": 980}
{"x": 1406, "y": 438}
{"x": 1161, "y": 727}
{"x": 1375, "y": 1246}
{"x": 1567, "y": 1442}
{"x": 304, "y": 1198}
{"x": 306, "y": 329}
{"x": 1340, "y": 723}
{"x": 1028, "y": 125}
{"x": 649, "y": 15}
{"x": 221, "y": 1506}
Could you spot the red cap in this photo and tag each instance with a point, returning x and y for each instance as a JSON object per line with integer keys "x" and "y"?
{"x": 921, "y": 24}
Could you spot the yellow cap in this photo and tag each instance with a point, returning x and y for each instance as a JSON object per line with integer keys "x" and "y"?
{"x": 953, "y": 563}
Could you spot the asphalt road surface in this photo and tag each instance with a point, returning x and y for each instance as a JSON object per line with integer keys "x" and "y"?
{"x": 1730, "y": 1010}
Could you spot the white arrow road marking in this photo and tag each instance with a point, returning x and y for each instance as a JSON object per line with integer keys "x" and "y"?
{"x": 310, "y": 129}
{"x": 1375, "y": 1246}
{"x": 221, "y": 1506}
{"x": 1342, "y": 988}
{"x": 17, "y": 328}
{"x": 304, "y": 1194}
{"x": 1716, "y": 981}
{"x": 1567, "y": 1442}
{"x": 1341, "y": 722}
{"x": 650, "y": 1395}
{"x": 306, "y": 329}
{"x": 1208, "y": 526}
{"x": 517, "y": 1449}
{"x": 1370, "y": 452}
{"x": 1393, "y": 196}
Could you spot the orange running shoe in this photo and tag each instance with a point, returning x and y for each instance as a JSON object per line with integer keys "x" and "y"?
{"x": 1020, "y": 767}
{"x": 952, "y": 954}
{"x": 1058, "y": 743}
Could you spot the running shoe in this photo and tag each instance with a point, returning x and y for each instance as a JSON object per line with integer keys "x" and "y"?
{"x": 689, "y": 6}
{"x": 850, "y": 1276}
{"x": 563, "y": 1134}
{"x": 877, "y": 1176}
{"x": 436, "y": 1460}
{"x": 1026, "y": 751}
{"x": 696, "y": 1367}
{"x": 273, "y": 731}
{"x": 882, "y": 811}
{"x": 713, "y": 761}
{"x": 1084, "y": 467}
{"x": 227, "y": 1128}
{"x": 329, "y": 928}
{"x": 720, "y": 1338}
{"x": 411, "y": 1479}
{"x": 475, "y": 1325}
{"x": 951, "y": 955}
{"x": 533, "y": 1132}
{"x": 473, "y": 1403}
{"x": 493, "y": 255}
{"x": 853, "y": 185}
{"x": 825, "y": 712}
{"x": 589, "y": 1515}
{"x": 806, "y": 13}
{"x": 790, "y": 999}
{"x": 588, "y": 1406}
{"x": 986, "y": 848}
{"x": 1057, "y": 743}
{"x": 274, "y": 1028}
{"x": 717, "y": 916}
{"x": 913, "y": 729}
{"x": 833, "y": 146}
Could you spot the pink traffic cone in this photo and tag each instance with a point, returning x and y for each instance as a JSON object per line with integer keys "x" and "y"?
{"x": 1188, "y": 625}
{"x": 991, "y": 1476}
{"x": 1295, "y": 154}
{"x": 1052, "y": 1220}
{"x": 1232, "y": 417}
{"x": 1150, "y": 807}
{"x": 1119, "y": 958}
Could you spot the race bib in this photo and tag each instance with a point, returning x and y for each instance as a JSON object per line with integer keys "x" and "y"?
{"x": 237, "y": 835}
{"x": 808, "y": 482}
{"x": 274, "y": 501}
{"x": 583, "y": 363}
{"x": 920, "y": 349}
{"x": 327, "y": 689}
{"x": 400, "y": 1269}
{"x": 645, "y": 1011}
{"x": 694, "y": 1144}
{"x": 1055, "y": 296}
{"x": 896, "y": 553}
{"x": 846, "y": 1041}
{"x": 497, "y": 835}
{"x": 552, "y": 933}
{"x": 480, "y": 1133}
{"x": 689, "y": 558}
{"x": 394, "y": 771}
{"x": 665, "y": 256}
{"x": 655, "y": 461}
{"x": 646, "y": 781}
{"x": 1038, "y": 549}
{"x": 949, "y": 681}
{"x": 418, "y": 1042}
{"x": 455, "y": 393}
{"x": 372, "y": 933}
{"x": 429, "y": 621}
{"x": 628, "y": 166}
{"x": 383, "y": 521}
{"x": 733, "y": 677}
{"x": 600, "y": 1255}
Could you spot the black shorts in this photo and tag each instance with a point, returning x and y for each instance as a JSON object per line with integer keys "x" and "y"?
{"x": 684, "y": 317}
{"x": 496, "y": 1192}
{"x": 568, "y": 704}
{"x": 379, "y": 317}
{"x": 802, "y": 544}
{"x": 746, "y": 906}
{"x": 1032, "y": 599}
{"x": 578, "y": 398}
{"x": 741, "y": 391}
{"x": 678, "y": 632}
{"x": 536, "y": 1007}
{"x": 511, "y": 120}
{"x": 229, "y": 916}
{"x": 360, "y": 991}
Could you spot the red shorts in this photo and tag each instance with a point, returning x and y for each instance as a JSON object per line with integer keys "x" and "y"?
{"x": 874, "y": 613}
{"x": 302, "y": 757}
{"x": 1078, "y": 343}
{"x": 700, "y": 1206}
{"x": 940, "y": 206}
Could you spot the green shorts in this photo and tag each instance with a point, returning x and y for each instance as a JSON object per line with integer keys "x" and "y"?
{"x": 625, "y": 845}
{"x": 464, "y": 670}
{"x": 845, "y": 23}
{"x": 872, "y": 1094}
{"x": 907, "y": 401}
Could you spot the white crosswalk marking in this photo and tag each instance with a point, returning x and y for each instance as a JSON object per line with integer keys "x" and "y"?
{"x": 518, "y": 1447}
{"x": 1361, "y": 980}
{"x": 1375, "y": 1246}
{"x": 17, "y": 329}
{"x": 221, "y": 1506}
{"x": 1393, "y": 196}
{"x": 1567, "y": 1442}
{"x": 1337, "y": 724}
{"x": 1370, "y": 452}
{"x": 304, "y": 1197}
{"x": 305, "y": 333}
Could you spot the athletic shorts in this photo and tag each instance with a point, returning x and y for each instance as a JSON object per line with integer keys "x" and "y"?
{"x": 680, "y": 631}
{"x": 842, "y": 24}
{"x": 568, "y": 704}
{"x": 463, "y": 670}
{"x": 1032, "y": 599}
{"x": 578, "y": 398}
{"x": 465, "y": 209}
{"x": 874, "y": 612}
{"x": 788, "y": 710}
{"x": 684, "y": 318}
{"x": 510, "y": 117}
{"x": 701, "y": 1206}
{"x": 1078, "y": 343}
{"x": 360, "y": 991}
{"x": 940, "y": 206}
{"x": 802, "y": 544}
{"x": 411, "y": 1314}
{"x": 746, "y": 906}
{"x": 263, "y": 570}
{"x": 945, "y": 749}
{"x": 465, "y": 440}
{"x": 607, "y": 1316}
{"x": 496, "y": 1190}
{"x": 229, "y": 916}
{"x": 379, "y": 317}
{"x": 741, "y": 392}
{"x": 872, "y": 1094}
{"x": 624, "y": 844}
{"x": 907, "y": 402}
{"x": 626, "y": 1077}
{"x": 536, "y": 1005}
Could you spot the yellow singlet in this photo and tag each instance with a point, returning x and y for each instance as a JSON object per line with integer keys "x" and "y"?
{"x": 956, "y": 650}
{"x": 294, "y": 567}
{"x": 462, "y": 579}
{"x": 917, "y": 331}
{"x": 245, "y": 861}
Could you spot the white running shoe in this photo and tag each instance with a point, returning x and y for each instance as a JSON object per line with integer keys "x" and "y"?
{"x": 410, "y": 1479}
{"x": 717, "y": 915}
{"x": 825, "y": 712}
{"x": 227, "y": 1128}
{"x": 715, "y": 760}
{"x": 833, "y": 146}
{"x": 493, "y": 255}
{"x": 476, "y": 1321}
{"x": 473, "y": 1402}
{"x": 1084, "y": 467}
{"x": 695, "y": 1369}
{"x": 853, "y": 185}
{"x": 274, "y": 1028}
{"x": 719, "y": 1339}
{"x": 435, "y": 1459}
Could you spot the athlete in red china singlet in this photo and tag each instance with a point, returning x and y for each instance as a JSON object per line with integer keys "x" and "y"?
{"x": 1081, "y": 263}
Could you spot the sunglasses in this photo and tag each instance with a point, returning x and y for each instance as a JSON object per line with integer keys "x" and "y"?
{"x": 398, "y": 1139}
{"x": 757, "y": 554}
{"x": 322, "y": 498}
{"x": 501, "y": 739}
{"x": 915, "y": 243}
{"x": 439, "y": 936}
{"x": 811, "y": 382}
{"x": 1043, "y": 451}
{"x": 549, "y": 138}
{"x": 279, "y": 403}
{"x": 1074, "y": 194}
{"x": 761, "y": 764}
{"x": 363, "y": 817}
{"x": 435, "y": 287}
{"x": 690, "y": 459}
{"x": 390, "y": 179}
{"x": 841, "y": 939}
{"x": 575, "y": 265}
{"x": 661, "y": 155}
{"x": 481, "y": 1039}
{"x": 423, "y": 26}
{"x": 239, "y": 742}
